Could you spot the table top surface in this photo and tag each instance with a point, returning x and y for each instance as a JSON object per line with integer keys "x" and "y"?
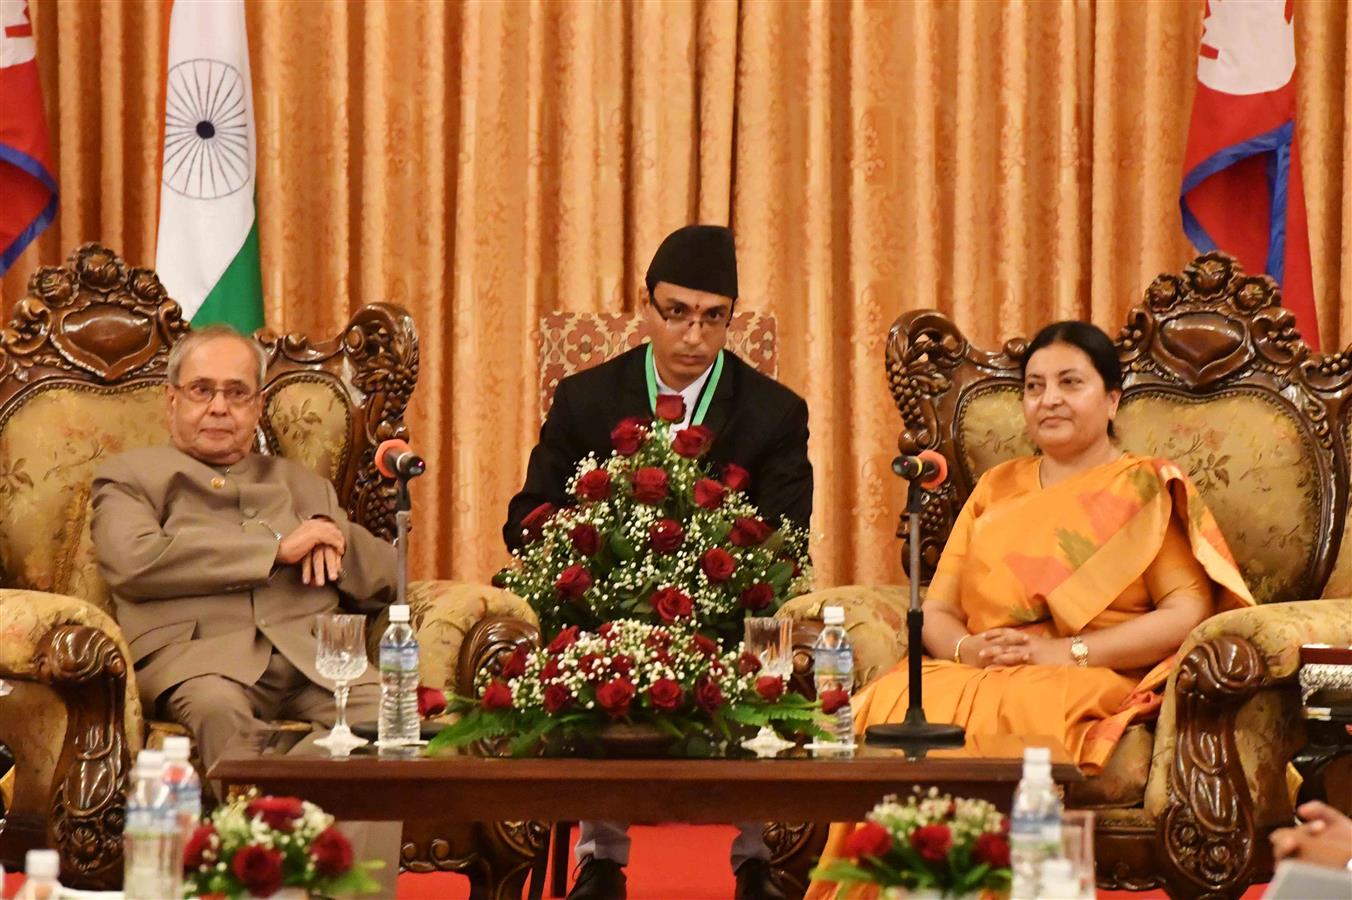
{"x": 797, "y": 785}
{"x": 282, "y": 754}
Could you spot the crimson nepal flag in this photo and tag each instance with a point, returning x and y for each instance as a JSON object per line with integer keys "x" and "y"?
{"x": 1242, "y": 190}
{"x": 27, "y": 186}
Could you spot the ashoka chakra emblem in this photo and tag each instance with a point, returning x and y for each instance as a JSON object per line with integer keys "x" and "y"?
{"x": 206, "y": 129}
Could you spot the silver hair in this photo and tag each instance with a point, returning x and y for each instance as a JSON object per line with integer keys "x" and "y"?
{"x": 197, "y": 337}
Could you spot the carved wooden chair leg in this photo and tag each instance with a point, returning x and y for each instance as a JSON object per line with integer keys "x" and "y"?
{"x": 507, "y": 851}
{"x": 794, "y": 849}
{"x": 558, "y": 885}
{"x": 1206, "y": 835}
{"x": 86, "y": 668}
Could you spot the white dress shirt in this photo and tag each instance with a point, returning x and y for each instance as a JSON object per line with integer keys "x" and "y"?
{"x": 690, "y": 394}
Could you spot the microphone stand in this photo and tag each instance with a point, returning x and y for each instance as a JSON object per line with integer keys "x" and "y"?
{"x": 915, "y": 733}
{"x": 403, "y": 513}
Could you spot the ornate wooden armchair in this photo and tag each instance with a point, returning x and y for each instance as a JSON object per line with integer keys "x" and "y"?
{"x": 81, "y": 377}
{"x": 1218, "y": 380}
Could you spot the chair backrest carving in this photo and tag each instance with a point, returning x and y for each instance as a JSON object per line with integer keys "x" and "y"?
{"x": 82, "y": 367}
{"x": 1216, "y": 378}
{"x": 571, "y": 342}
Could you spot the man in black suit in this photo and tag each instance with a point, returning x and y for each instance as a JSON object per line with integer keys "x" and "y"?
{"x": 758, "y": 424}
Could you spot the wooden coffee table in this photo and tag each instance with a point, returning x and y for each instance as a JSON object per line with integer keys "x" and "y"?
{"x": 794, "y": 787}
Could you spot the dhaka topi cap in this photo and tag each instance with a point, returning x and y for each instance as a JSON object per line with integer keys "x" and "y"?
{"x": 699, "y": 257}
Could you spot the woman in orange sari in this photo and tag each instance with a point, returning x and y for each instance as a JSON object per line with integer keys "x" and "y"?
{"x": 1069, "y": 580}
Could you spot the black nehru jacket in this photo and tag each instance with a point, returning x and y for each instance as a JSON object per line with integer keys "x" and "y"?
{"x": 757, "y": 423}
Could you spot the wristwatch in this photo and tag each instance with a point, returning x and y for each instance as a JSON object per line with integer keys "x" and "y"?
{"x": 1079, "y": 651}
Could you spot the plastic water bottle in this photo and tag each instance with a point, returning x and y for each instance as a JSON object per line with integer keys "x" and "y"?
{"x": 185, "y": 788}
{"x": 152, "y": 851}
{"x": 41, "y": 868}
{"x": 1034, "y": 823}
{"x": 399, "y": 724}
{"x": 833, "y": 669}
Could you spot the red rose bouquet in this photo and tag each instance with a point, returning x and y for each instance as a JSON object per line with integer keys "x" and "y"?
{"x": 654, "y": 535}
{"x": 932, "y": 841}
{"x": 676, "y": 679}
{"x": 254, "y": 846}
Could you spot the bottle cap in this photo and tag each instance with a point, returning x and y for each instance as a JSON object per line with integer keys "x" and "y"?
{"x": 42, "y": 863}
{"x": 399, "y": 613}
{"x": 177, "y": 748}
{"x": 833, "y": 615}
{"x": 1037, "y": 771}
{"x": 149, "y": 764}
{"x": 1037, "y": 754}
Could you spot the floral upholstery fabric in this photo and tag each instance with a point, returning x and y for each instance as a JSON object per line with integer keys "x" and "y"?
{"x": 875, "y": 617}
{"x": 49, "y": 447}
{"x": 443, "y": 612}
{"x": 1122, "y": 781}
{"x": 572, "y": 342}
{"x": 1256, "y": 470}
{"x": 1268, "y": 726}
{"x": 309, "y": 419}
{"x": 33, "y": 717}
{"x": 990, "y": 429}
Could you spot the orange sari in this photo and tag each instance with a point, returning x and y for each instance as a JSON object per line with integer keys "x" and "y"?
{"x": 1096, "y": 550}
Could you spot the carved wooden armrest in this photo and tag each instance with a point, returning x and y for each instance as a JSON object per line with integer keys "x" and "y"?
{"x": 445, "y": 614}
{"x": 1277, "y": 630}
{"x": 487, "y": 646}
{"x": 1206, "y": 834}
{"x": 86, "y": 668}
{"x": 874, "y": 617}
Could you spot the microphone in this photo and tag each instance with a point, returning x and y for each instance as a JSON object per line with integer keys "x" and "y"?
{"x": 396, "y": 459}
{"x": 927, "y": 467}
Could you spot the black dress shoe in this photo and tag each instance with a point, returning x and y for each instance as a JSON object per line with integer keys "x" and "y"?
{"x": 599, "y": 879}
{"x": 755, "y": 882}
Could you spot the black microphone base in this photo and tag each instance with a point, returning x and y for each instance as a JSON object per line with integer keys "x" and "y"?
{"x": 914, "y": 734}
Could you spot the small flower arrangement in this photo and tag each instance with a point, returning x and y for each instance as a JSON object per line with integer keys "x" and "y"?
{"x": 932, "y": 841}
{"x": 254, "y": 846}
{"x": 673, "y": 678}
{"x": 654, "y": 536}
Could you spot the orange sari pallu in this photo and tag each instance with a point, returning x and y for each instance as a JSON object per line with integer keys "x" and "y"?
{"x": 1098, "y": 549}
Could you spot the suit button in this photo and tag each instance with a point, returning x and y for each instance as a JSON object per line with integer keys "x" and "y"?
{"x": 249, "y": 511}
{"x": 262, "y": 623}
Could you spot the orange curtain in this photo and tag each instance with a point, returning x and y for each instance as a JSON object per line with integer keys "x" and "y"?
{"x": 483, "y": 163}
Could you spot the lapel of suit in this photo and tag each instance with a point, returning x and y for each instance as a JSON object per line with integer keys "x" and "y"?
{"x": 721, "y": 409}
{"x": 633, "y": 397}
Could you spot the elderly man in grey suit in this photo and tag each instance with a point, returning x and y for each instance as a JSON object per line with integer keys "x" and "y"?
{"x": 219, "y": 558}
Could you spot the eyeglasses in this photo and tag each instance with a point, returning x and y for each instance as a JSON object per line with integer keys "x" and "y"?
{"x": 682, "y": 317}
{"x": 204, "y": 392}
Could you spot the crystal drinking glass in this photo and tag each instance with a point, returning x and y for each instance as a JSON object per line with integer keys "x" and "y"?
{"x": 1077, "y": 845}
{"x": 341, "y": 656}
{"x": 770, "y": 640}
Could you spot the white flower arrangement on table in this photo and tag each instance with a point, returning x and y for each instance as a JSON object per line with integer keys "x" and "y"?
{"x": 655, "y": 536}
{"x": 674, "y": 678}
{"x": 931, "y": 841}
{"x": 254, "y": 846}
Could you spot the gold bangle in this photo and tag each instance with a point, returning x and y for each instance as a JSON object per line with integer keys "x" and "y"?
{"x": 957, "y": 648}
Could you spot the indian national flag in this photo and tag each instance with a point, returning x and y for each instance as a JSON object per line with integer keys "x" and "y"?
{"x": 207, "y": 252}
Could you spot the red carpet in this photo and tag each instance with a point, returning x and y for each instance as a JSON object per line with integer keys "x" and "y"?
{"x": 667, "y": 862}
{"x": 672, "y": 862}
{"x": 677, "y": 862}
